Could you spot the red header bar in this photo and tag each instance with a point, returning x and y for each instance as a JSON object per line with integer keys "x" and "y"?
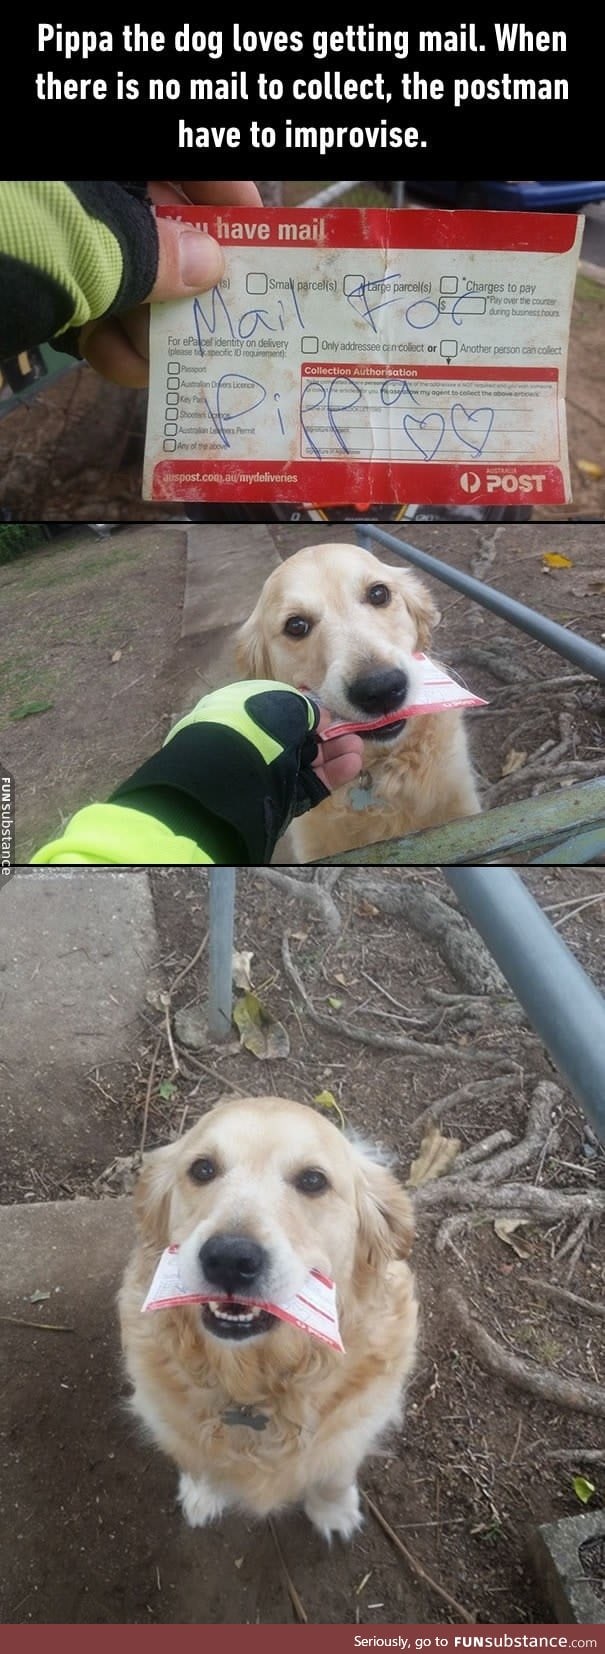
{"x": 369, "y": 370}
{"x": 388, "y": 227}
{"x": 337, "y": 482}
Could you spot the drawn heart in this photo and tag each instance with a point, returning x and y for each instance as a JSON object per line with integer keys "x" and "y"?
{"x": 467, "y": 428}
{"x": 433, "y": 425}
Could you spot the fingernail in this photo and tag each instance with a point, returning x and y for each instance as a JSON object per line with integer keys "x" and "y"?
{"x": 200, "y": 259}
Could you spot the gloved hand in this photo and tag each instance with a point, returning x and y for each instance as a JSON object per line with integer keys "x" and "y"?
{"x": 249, "y": 757}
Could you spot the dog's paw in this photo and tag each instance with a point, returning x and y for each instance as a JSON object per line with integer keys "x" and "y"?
{"x": 337, "y": 1513}
{"x": 200, "y": 1503}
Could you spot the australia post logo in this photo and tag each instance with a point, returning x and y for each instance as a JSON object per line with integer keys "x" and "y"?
{"x": 507, "y": 482}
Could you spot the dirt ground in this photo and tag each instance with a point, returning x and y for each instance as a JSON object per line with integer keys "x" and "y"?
{"x": 475, "y": 1464}
{"x": 96, "y": 672}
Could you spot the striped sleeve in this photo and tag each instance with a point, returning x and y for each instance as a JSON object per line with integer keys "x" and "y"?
{"x": 70, "y": 252}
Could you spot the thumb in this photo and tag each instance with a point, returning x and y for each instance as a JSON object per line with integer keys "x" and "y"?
{"x": 189, "y": 261}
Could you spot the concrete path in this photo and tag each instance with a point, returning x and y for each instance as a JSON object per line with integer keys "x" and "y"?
{"x": 76, "y": 953}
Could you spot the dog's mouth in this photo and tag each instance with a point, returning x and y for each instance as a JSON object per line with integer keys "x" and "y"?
{"x": 235, "y": 1319}
{"x": 396, "y": 726}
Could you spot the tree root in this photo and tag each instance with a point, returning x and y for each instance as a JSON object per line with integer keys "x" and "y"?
{"x": 516, "y": 1199}
{"x": 387, "y": 1042}
{"x": 465, "y": 955}
{"x": 548, "y": 1387}
{"x": 546, "y": 1101}
{"x": 560, "y": 1295}
{"x": 568, "y": 770}
{"x": 480, "y": 1151}
{"x": 474, "y": 1092}
{"x": 316, "y": 893}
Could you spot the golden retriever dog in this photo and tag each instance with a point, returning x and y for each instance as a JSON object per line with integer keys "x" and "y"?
{"x": 256, "y": 1413}
{"x": 335, "y": 620}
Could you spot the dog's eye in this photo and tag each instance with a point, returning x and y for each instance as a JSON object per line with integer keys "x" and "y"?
{"x": 297, "y": 627}
{"x": 311, "y": 1181}
{"x": 379, "y": 596}
{"x": 202, "y": 1171}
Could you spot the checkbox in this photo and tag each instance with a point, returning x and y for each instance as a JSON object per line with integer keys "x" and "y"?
{"x": 449, "y": 347}
{"x": 170, "y": 430}
{"x": 352, "y": 284}
{"x": 256, "y": 282}
{"x": 173, "y": 383}
{"x": 309, "y": 344}
{"x": 172, "y": 399}
{"x": 174, "y": 367}
{"x": 169, "y": 447}
{"x": 448, "y": 284}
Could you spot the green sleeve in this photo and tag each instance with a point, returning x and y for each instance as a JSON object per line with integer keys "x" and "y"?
{"x": 70, "y": 252}
{"x": 111, "y": 835}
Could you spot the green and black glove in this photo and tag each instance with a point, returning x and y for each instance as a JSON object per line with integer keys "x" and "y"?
{"x": 229, "y": 780}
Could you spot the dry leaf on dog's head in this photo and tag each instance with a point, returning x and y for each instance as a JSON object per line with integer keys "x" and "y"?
{"x": 436, "y": 1156}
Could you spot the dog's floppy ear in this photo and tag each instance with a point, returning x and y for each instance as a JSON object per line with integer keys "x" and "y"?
{"x": 385, "y": 1217}
{"x": 152, "y": 1198}
{"x": 421, "y": 606}
{"x": 250, "y": 649}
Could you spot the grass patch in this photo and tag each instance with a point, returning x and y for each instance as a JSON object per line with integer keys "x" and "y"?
{"x": 587, "y": 289}
{"x": 30, "y": 709}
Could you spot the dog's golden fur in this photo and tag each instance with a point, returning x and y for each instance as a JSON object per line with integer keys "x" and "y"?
{"x": 324, "y": 1409}
{"x": 421, "y": 779}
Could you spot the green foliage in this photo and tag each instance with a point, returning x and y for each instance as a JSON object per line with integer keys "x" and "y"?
{"x": 17, "y": 538}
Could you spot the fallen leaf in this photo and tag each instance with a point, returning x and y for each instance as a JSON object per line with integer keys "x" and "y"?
{"x": 367, "y": 910}
{"x": 39, "y": 1297}
{"x": 117, "y": 655}
{"x": 167, "y": 1091}
{"x": 241, "y": 970}
{"x": 504, "y": 1228}
{"x": 335, "y": 1004}
{"x": 258, "y": 1031}
{"x": 590, "y": 469}
{"x": 31, "y": 709}
{"x": 436, "y": 1155}
{"x": 555, "y": 560}
{"x": 238, "y": 1561}
{"x": 326, "y": 1099}
{"x": 513, "y": 761}
{"x": 583, "y": 1489}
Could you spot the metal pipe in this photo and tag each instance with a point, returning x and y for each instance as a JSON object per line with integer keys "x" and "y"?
{"x": 563, "y": 1005}
{"x": 332, "y": 192}
{"x": 220, "y": 951}
{"x": 589, "y": 656}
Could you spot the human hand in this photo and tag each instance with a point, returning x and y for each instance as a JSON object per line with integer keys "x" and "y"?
{"x": 189, "y": 261}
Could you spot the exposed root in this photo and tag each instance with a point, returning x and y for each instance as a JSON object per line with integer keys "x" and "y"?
{"x": 480, "y": 1151}
{"x": 549, "y": 1387}
{"x": 516, "y": 1199}
{"x": 561, "y": 1295}
{"x": 546, "y": 1101}
{"x": 316, "y": 893}
{"x": 386, "y": 1042}
{"x": 474, "y": 1092}
{"x": 462, "y": 951}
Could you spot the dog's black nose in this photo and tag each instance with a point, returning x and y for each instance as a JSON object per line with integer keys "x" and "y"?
{"x": 232, "y": 1262}
{"x": 383, "y": 689}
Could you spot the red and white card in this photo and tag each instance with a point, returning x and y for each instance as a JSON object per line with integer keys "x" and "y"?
{"x": 438, "y": 693}
{"x": 313, "y": 1309}
{"x": 367, "y": 357}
